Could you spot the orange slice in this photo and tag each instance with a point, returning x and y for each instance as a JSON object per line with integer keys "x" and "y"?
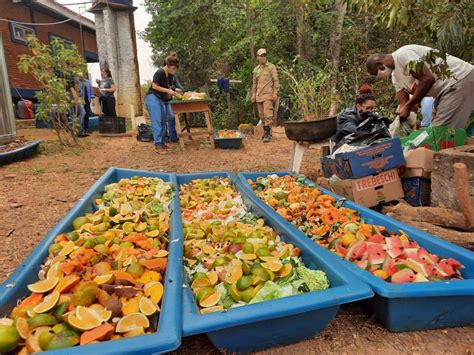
{"x": 272, "y": 266}
{"x": 149, "y": 275}
{"x": 49, "y": 302}
{"x": 104, "y": 279}
{"x": 209, "y": 250}
{"x": 213, "y": 277}
{"x": 67, "y": 282}
{"x": 55, "y": 271}
{"x": 218, "y": 308}
{"x": 67, "y": 249}
{"x": 149, "y": 284}
{"x": 286, "y": 270}
{"x": 248, "y": 257}
{"x": 161, "y": 254}
{"x": 100, "y": 312}
{"x": 200, "y": 283}
{"x": 270, "y": 259}
{"x": 155, "y": 293}
{"x": 147, "y": 306}
{"x": 22, "y": 327}
{"x": 211, "y": 300}
{"x": 234, "y": 275}
{"x": 6, "y": 321}
{"x": 83, "y": 318}
{"x": 43, "y": 285}
{"x": 130, "y": 306}
{"x": 131, "y": 322}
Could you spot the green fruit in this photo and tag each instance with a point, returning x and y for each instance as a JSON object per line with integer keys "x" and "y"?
{"x": 238, "y": 240}
{"x": 136, "y": 270}
{"x": 84, "y": 297}
{"x": 44, "y": 339}
{"x": 65, "y": 339}
{"x": 101, "y": 227}
{"x": 102, "y": 248}
{"x": 90, "y": 243}
{"x": 72, "y": 236}
{"x": 54, "y": 248}
{"x": 116, "y": 265}
{"x": 42, "y": 320}
{"x": 248, "y": 248}
{"x": 60, "y": 310}
{"x": 204, "y": 293}
{"x": 199, "y": 275}
{"x": 9, "y": 338}
{"x": 116, "y": 240}
{"x": 261, "y": 273}
{"x": 247, "y": 294}
{"x": 112, "y": 211}
{"x": 246, "y": 268}
{"x": 244, "y": 282}
{"x": 263, "y": 252}
{"x": 219, "y": 261}
{"x": 100, "y": 239}
{"x": 126, "y": 245}
{"x": 61, "y": 327}
{"x": 94, "y": 259}
{"x": 79, "y": 222}
{"x": 234, "y": 293}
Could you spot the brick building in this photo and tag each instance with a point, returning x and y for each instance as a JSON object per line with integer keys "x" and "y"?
{"x": 79, "y": 30}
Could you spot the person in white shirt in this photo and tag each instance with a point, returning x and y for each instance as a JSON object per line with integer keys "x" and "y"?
{"x": 454, "y": 96}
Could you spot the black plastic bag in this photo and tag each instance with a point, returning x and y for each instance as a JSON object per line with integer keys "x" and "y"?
{"x": 145, "y": 133}
{"x": 368, "y": 131}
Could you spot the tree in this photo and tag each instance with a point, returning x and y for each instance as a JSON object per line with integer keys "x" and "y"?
{"x": 55, "y": 67}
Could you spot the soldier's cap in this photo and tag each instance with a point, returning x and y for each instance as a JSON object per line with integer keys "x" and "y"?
{"x": 261, "y": 51}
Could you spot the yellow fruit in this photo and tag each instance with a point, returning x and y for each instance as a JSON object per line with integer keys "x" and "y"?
{"x": 210, "y": 300}
{"x": 161, "y": 254}
{"x": 149, "y": 275}
{"x": 234, "y": 275}
{"x": 153, "y": 234}
{"x": 207, "y": 249}
{"x": 147, "y": 306}
{"x": 6, "y": 321}
{"x": 131, "y": 322}
{"x": 67, "y": 249}
{"x": 150, "y": 284}
{"x": 213, "y": 277}
{"x": 104, "y": 279}
{"x": 67, "y": 282}
{"x": 49, "y": 302}
{"x": 286, "y": 270}
{"x": 272, "y": 266}
{"x": 248, "y": 257}
{"x": 270, "y": 259}
{"x": 131, "y": 305}
{"x": 134, "y": 333}
{"x": 32, "y": 342}
{"x": 100, "y": 312}
{"x": 404, "y": 238}
{"x": 155, "y": 293}
{"x": 84, "y": 318}
{"x": 381, "y": 273}
{"x": 200, "y": 283}
{"x": 55, "y": 271}
{"x": 22, "y": 327}
{"x": 218, "y": 308}
{"x": 44, "y": 285}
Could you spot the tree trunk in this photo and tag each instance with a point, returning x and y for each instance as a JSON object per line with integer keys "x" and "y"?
{"x": 250, "y": 33}
{"x": 300, "y": 30}
{"x": 340, "y": 8}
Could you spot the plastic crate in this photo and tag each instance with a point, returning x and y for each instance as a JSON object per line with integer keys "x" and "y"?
{"x": 281, "y": 321}
{"x": 228, "y": 142}
{"x": 20, "y": 154}
{"x": 112, "y": 125}
{"x": 403, "y": 307}
{"x": 168, "y": 335}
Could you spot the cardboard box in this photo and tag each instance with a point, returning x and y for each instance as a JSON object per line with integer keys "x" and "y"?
{"x": 417, "y": 191}
{"x": 368, "y": 191}
{"x": 367, "y": 161}
{"x": 435, "y": 138}
{"x": 418, "y": 163}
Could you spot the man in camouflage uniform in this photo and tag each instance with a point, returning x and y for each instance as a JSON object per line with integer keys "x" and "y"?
{"x": 265, "y": 87}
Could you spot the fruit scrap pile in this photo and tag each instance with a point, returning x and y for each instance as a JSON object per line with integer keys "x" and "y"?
{"x": 391, "y": 256}
{"x": 231, "y": 257}
{"x": 101, "y": 281}
{"x": 228, "y": 134}
{"x": 191, "y": 95}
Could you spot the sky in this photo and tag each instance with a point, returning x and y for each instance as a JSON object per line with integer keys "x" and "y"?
{"x": 144, "y": 51}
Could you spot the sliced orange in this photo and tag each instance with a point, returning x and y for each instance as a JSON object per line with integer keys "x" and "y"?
{"x": 67, "y": 249}
{"x": 22, "y": 327}
{"x": 270, "y": 259}
{"x": 155, "y": 293}
{"x": 131, "y": 305}
{"x": 153, "y": 234}
{"x": 207, "y": 249}
{"x": 100, "y": 312}
{"x": 210, "y": 300}
{"x": 67, "y": 282}
{"x": 200, "y": 283}
{"x": 213, "y": 277}
{"x": 248, "y": 257}
{"x": 83, "y": 318}
{"x": 49, "y": 302}
{"x": 218, "y": 308}
{"x": 131, "y": 322}
{"x": 161, "y": 254}
{"x": 272, "y": 266}
{"x": 149, "y": 275}
{"x": 286, "y": 270}
{"x": 43, "y": 285}
{"x": 6, "y": 321}
{"x": 147, "y": 306}
{"x": 149, "y": 284}
{"x": 234, "y": 275}
{"x": 104, "y": 279}
{"x": 55, "y": 271}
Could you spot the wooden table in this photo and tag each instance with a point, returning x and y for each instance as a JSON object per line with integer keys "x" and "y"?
{"x": 190, "y": 106}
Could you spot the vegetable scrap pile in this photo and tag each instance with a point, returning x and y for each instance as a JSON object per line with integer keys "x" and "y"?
{"x": 103, "y": 280}
{"x": 228, "y": 134}
{"x": 393, "y": 257}
{"x": 231, "y": 257}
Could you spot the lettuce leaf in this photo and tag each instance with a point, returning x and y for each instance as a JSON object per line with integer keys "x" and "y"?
{"x": 272, "y": 291}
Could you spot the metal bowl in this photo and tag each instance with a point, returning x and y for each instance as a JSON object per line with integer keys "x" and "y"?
{"x": 311, "y": 131}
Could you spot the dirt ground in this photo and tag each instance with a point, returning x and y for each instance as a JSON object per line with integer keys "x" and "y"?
{"x": 36, "y": 193}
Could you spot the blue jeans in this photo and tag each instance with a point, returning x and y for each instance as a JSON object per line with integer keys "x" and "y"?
{"x": 159, "y": 112}
{"x": 171, "y": 129}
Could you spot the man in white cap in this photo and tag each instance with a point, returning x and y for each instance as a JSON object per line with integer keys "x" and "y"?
{"x": 265, "y": 88}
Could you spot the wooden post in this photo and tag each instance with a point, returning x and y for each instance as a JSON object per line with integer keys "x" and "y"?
{"x": 132, "y": 117}
{"x": 461, "y": 183}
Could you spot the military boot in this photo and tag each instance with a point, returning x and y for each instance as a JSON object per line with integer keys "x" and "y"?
{"x": 266, "y": 134}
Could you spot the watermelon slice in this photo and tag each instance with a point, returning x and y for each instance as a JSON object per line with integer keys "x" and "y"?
{"x": 454, "y": 263}
{"x": 389, "y": 267}
{"x": 428, "y": 258}
{"x": 357, "y": 251}
{"x": 420, "y": 278}
{"x": 439, "y": 272}
{"x": 377, "y": 238}
{"x": 409, "y": 244}
{"x": 419, "y": 266}
{"x": 446, "y": 267}
{"x": 410, "y": 253}
{"x": 403, "y": 276}
{"x": 363, "y": 264}
{"x": 340, "y": 249}
{"x": 393, "y": 242}
{"x": 394, "y": 252}
{"x": 376, "y": 254}
{"x": 373, "y": 268}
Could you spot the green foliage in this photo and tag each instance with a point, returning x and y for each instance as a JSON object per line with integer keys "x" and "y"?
{"x": 53, "y": 66}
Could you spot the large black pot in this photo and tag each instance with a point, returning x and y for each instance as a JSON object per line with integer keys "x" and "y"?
{"x": 311, "y": 131}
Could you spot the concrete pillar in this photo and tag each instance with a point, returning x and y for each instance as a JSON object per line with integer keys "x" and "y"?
{"x": 7, "y": 118}
{"x": 115, "y": 31}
